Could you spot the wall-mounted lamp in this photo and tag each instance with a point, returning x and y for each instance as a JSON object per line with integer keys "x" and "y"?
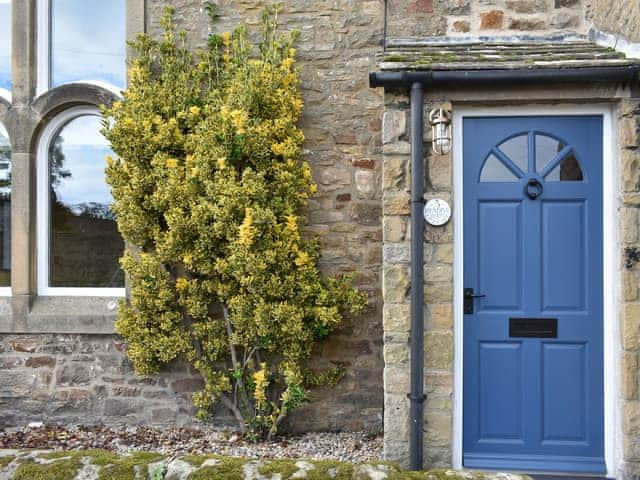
{"x": 440, "y": 120}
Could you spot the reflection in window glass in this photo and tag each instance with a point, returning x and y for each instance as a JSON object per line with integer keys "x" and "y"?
{"x": 5, "y": 44}
{"x": 88, "y": 41}
{"x": 5, "y": 208}
{"x": 517, "y": 149}
{"x": 85, "y": 243}
{"x": 568, "y": 170}
{"x": 546, "y": 150}
{"x": 495, "y": 171}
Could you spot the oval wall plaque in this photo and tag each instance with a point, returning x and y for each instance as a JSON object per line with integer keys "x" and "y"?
{"x": 437, "y": 212}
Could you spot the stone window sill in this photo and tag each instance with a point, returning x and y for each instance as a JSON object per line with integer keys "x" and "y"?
{"x": 60, "y": 315}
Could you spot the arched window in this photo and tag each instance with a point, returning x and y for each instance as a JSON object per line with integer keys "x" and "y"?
{"x": 77, "y": 43}
{"x": 79, "y": 244}
{"x": 5, "y": 48}
{"x": 548, "y": 157}
{"x": 5, "y": 212}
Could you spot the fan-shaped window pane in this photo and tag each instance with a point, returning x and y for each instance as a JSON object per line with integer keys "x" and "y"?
{"x": 5, "y": 208}
{"x": 88, "y": 41}
{"x": 568, "y": 170}
{"x": 85, "y": 243}
{"x": 495, "y": 171}
{"x": 5, "y": 44}
{"x": 517, "y": 149}
{"x": 546, "y": 150}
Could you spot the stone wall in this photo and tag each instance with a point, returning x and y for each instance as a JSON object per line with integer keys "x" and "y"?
{"x": 419, "y": 18}
{"x": 619, "y": 17}
{"x": 85, "y": 377}
{"x": 629, "y": 139}
{"x": 438, "y": 291}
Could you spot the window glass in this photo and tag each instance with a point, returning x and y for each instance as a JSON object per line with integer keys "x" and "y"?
{"x": 5, "y": 208}
{"x": 517, "y": 149}
{"x": 568, "y": 170}
{"x": 85, "y": 243}
{"x": 546, "y": 150}
{"x": 495, "y": 171}
{"x": 5, "y": 44}
{"x": 88, "y": 41}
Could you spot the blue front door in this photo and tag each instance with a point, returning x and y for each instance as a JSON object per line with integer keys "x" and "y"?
{"x": 533, "y": 345}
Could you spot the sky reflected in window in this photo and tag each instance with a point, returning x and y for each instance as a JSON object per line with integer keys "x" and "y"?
{"x": 85, "y": 243}
{"x": 88, "y": 41}
{"x": 5, "y": 44}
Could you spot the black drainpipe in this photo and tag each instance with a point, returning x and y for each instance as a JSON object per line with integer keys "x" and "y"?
{"x": 416, "y": 338}
{"x": 417, "y": 81}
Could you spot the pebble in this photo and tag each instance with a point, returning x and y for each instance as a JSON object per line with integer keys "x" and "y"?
{"x": 354, "y": 447}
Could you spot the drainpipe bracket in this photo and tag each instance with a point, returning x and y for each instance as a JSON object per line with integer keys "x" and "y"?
{"x": 419, "y": 398}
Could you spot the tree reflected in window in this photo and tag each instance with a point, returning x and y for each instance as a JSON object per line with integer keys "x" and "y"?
{"x": 85, "y": 243}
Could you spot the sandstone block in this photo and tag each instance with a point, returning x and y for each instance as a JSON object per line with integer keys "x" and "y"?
{"x": 492, "y": 20}
{"x": 440, "y": 316}
{"x": 396, "y": 253}
{"x": 630, "y": 170}
{"x": 631, "y": 327}
{"x": 394, "y": 125}
{"x": 438, "y": 350}
{"x": 438, "y": 292}
{"x": 396, "y": 354}
{"x": 366, "y": 214}
{"x": 396, "y": 204}
{"x": 395, "y": 172}
{"x": 37, "y": 362}
{"x": 394, "y": 228}
{"x": 438, "y": 428}
{"x": 631, "y": 418}
{"x": 629, "y": 375}
{"x": 461, "y": 26}
{"x": 395, "y": 284}
{"x": 565, "y": 20}
{"x": 527, "y": 6}
{"x": 396, "y": 317}
{"x": 396, "y": 380}
{"x": 629, "y": 136}
{"x": 75, "y": 374}
{"x": 527, "y": 24}
{"x": 366, "y": 183}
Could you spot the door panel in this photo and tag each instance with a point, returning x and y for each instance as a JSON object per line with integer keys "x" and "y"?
{"x": 533, "y": 246}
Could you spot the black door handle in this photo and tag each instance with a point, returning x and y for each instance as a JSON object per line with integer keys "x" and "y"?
{"x": 468, "y": 300}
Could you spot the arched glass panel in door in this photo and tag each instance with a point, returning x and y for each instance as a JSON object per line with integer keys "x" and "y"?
{"x": 550, "y": 158}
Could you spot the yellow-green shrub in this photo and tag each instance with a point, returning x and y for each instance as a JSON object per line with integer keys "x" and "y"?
{"x": 209, "y": 191}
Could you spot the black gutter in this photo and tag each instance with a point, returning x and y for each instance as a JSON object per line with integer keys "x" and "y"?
{"x": 416, "y": 338}
{"x": 417, "y": 81}
{"x": 492, "y": 77}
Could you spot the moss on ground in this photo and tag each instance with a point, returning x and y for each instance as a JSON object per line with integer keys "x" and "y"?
{"x": 230, "y": 468}
{"x": 125, "y": 467}
{"x": 63, "y": 469}
{"x": 65, "y": 466}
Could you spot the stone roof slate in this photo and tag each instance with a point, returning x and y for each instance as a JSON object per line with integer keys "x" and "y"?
{"x": 509, "y": 53}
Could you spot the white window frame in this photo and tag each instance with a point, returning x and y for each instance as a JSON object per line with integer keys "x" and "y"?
{"x": 44, "y": 209}
{"x": 43, "y": 45}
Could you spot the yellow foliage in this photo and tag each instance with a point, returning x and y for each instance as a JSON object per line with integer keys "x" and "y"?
{"x": 210, "y": 190}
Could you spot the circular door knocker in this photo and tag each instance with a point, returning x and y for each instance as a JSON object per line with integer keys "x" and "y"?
{"x": 533, "y": 189}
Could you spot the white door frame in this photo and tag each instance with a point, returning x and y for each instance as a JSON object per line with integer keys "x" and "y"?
{"x": 611, "y": 260}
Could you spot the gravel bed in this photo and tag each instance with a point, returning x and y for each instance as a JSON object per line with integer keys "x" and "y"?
{"x": 355, "y": 447}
